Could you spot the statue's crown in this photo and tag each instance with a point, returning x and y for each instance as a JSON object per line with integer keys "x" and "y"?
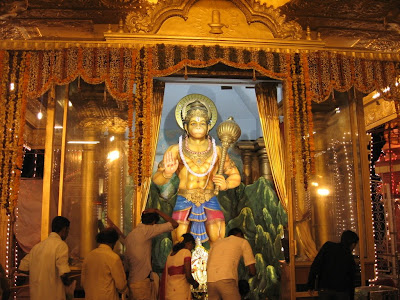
{"x": 196, "y": 109}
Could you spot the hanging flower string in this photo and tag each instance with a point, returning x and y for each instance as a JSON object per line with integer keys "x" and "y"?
{"x": 214, "y": 159}
{"x": 120, "y": 67}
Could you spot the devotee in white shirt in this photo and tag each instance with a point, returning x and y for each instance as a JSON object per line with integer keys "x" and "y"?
{"x": 47, "y": 264}
{"x": 138, "y": 254}
{"x": 222, "y": 265}
{"x": 103, "y": 274}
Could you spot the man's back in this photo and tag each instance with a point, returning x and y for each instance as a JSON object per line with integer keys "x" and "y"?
{"x": 103, "y": 274}
{"x": 335, "y": 267}
{"x": 224, "y": 258}
{"x": 138, "y": 249}
{"x": 46, "y": 262}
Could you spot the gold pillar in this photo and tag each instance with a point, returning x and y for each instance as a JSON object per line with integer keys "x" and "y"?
{"x": 115, "y": 182}
{"x": 89, "y": 194}
{"x": 115, "y": 172}
{"x": 48, "y": 165}
{"x": 321, "y": 218}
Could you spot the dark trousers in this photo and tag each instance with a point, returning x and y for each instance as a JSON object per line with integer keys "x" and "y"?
{"x": 333, "y": 295}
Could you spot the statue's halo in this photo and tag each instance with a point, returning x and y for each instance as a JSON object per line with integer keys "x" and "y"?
{"x": 181, "y": 108}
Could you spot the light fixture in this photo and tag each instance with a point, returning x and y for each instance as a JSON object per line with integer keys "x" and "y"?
{"x": 84, "y": 142}
{"x": 392, "y": 91}
{"x": 40, "y": 115}
{"x": 323, "y": 192}
{"x": 113, "y": 155}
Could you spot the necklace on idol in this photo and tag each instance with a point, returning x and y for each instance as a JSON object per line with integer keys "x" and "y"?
{"x": 198, "y": 157}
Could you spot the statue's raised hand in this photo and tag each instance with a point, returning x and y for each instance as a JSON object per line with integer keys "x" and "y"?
{"x": 170, "y": 164}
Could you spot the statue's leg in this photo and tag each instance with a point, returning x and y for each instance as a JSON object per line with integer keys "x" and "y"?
{"x": 180, "y": 214}
{"x": 179, "y": 231}
{"x": 215, "y": 230}
{"x": 215, "y": 224}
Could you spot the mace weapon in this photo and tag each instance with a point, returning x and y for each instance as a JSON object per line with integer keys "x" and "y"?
{"x": 228, "y": 133}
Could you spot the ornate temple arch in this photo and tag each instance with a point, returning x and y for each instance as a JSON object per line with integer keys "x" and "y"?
{"x": 150, "y": 18}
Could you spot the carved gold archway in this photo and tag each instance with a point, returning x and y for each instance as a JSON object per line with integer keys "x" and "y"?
{"x": 149, "y": 18}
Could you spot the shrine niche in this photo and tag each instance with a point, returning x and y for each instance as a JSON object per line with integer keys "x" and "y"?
{"x": 216, "y": 40}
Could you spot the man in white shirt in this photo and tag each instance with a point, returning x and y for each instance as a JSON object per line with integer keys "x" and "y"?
{"x": 47, "y": 264}
{"x": 103, "y": 274}
{"x": 138, "y": 253}
{"x": 222, "y": 265}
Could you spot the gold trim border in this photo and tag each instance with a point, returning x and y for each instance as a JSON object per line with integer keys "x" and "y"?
{"x": 136, "y": 41}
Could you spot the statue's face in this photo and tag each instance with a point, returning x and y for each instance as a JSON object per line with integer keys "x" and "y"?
{"x": 197, "y": 127}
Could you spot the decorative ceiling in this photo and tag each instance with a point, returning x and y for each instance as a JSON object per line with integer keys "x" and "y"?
{"x": 361, "y": 24}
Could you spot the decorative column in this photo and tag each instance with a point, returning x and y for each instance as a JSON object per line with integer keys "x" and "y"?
{"x": 321, "y": 205}
{"x": 89, "y": 191}
{"x": 247, "y": 152}
{"x": 265, "y": 168}
{"x": 115, "y": 171}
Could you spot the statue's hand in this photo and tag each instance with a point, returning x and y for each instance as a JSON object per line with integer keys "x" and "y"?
{"x": 219, "y": 180}
{"x": 170, "y": 163}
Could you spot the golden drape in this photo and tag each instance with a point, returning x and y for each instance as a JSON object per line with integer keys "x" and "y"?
{"x": 143, "y": 190}
{"x": 269, "y": 118}
{"x": 268, "y": 112}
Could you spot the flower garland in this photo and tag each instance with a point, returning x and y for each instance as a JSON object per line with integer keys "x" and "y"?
{"x": 310, "y": 122}
{"x": 214, "y": 159}
{"x": 4, "y": 69}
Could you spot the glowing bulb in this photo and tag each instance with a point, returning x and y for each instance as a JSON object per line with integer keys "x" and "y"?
{"x": 314, "y": 183}
{"x": 112, "y": 138}
{"x": 12, "y": 86}
{"x": 113, "y": 155}
{"x": 39, "y": 115}
{"x": 376, "y": 95}
{"x": 69, "y": 103}
{"x": 323, "y": 192}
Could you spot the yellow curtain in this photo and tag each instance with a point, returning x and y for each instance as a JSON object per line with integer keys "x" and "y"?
{"x": 143, "y": 190}
{"x": 269, "y": 118}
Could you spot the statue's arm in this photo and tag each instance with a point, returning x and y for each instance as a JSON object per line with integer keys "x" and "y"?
{"x": 167, "y": 167}
{"x": 233, "y": 175}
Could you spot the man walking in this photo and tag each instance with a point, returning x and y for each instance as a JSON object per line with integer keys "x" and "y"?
{"x": 47, "y": 264}
{"x": 138, "y": 253}
{"x": 222, "y": 266}
{"x": 103, "y": 274}
{"x": 335, "y": 268}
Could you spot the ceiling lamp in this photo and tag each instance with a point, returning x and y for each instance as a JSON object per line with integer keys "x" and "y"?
{"x": 392, "y": 91}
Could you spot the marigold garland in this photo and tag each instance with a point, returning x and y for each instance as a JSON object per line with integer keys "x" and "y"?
{"x": 309, "y": 112}
{"x": 119, "y": 68}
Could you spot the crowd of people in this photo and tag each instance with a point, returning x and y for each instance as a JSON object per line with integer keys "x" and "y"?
{"x": 103, "y": 273}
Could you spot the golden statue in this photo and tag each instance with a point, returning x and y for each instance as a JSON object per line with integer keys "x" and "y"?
{"x": 195, "y": 160}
